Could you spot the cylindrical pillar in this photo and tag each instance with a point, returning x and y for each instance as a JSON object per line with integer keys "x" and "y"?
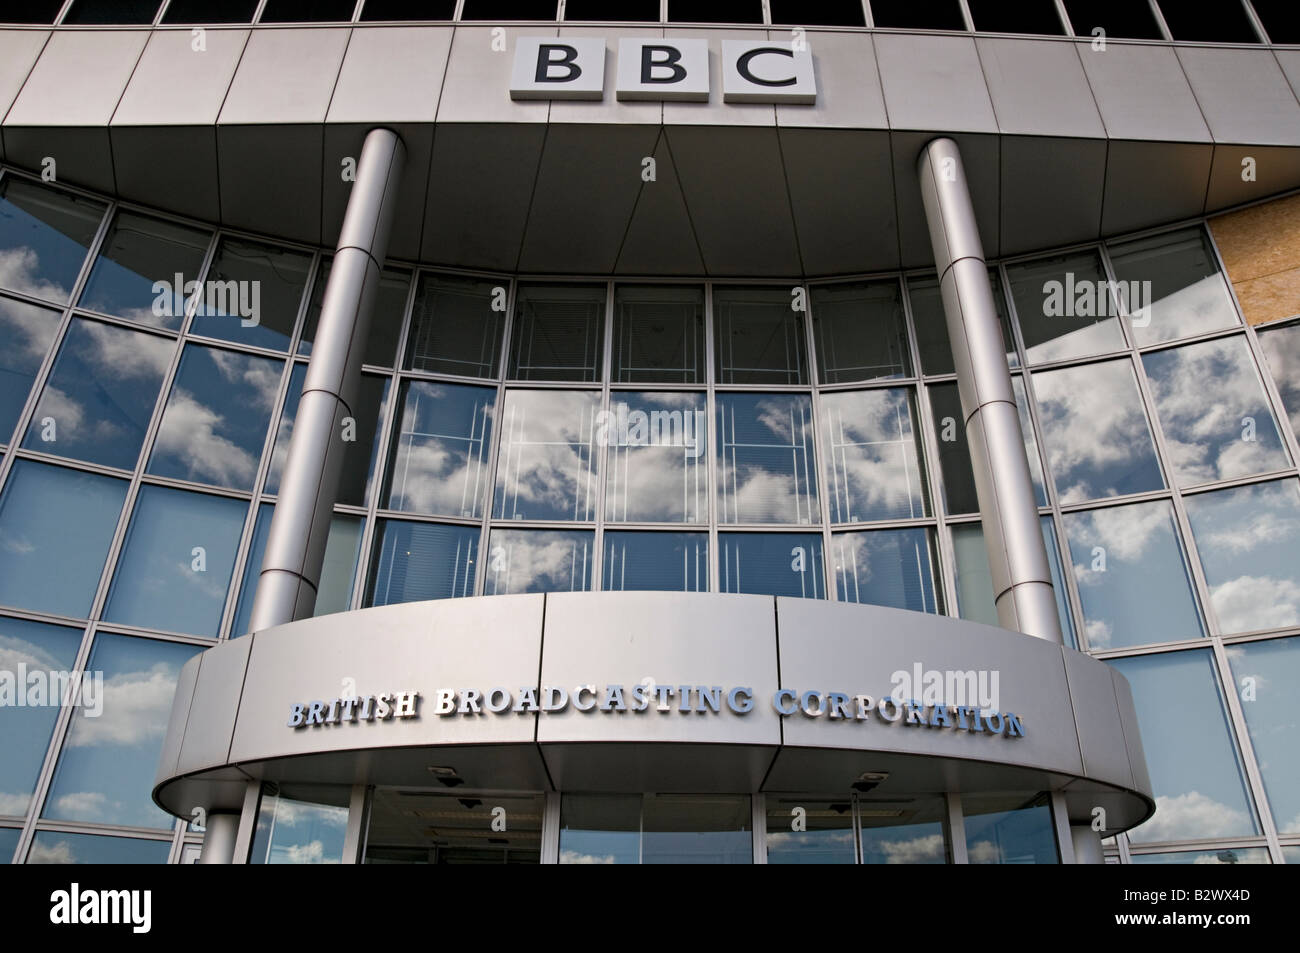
{"x": 221, "y": 829}
{"x": 1022, "y": 581}
{"x": 1087, "y": 844}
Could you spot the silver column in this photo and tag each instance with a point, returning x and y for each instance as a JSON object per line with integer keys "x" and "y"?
{"x": 1022, "y": 581}
{"x": 295, "y": 545}
{"x": 1087, "y": 844}
{"x": 221, "y": 829}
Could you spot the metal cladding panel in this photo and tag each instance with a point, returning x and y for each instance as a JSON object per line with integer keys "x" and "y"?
{"x": 391, "y": 75}
{"x": 78, "y": 79}
{"x": 660, "y": 239}
{"x": 1142, "y": 92}
{"x": 980, "y": 158}
{"x": 216, "y": 702}
{"x": 1098, "y": 718}
{"x": 270, "y": 179}
{"x": 174, "y": 83}
{"x": 18, "y": 52}
{"x": 934, "y": 82}
{"x": 1243, "y": 94}
{"x": 285, "y": 76}
{"x": 1135, "y": 200}
{"x": 1132, "y": 734}
{"x": 477, "y": 85}
{"x": 1276, "y": 169}
{"x": 848, "y": 85}
{"x": 852, "y": 649}
{"x": 1038, "y": 88}
{"x": 182, "y": 702}
{"x": 661, "y": 638}
{"x": 1033, "y": 168}
{"x": 1289, "y": 60}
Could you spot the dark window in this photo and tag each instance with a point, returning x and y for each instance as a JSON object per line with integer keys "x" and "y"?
{"x": 1224, "y": 21}
{"x": 715, "y": 11}
{"x": 307, "y": 11}
{"x": 641, "y": 10}
{"x": 918, "y": 14}
{"x": 818, "y": 12}
{"x": 376, "y": 10}
{"x": 1016, "y": 16}
{"x": 210, "y": 11}
{"x": 509, "y": 10}
{"x": 1116, "y": 17}
{"x": 33, "y": 11}
{"x": 1281, "y": 19}
{"x": 112, "y": 11}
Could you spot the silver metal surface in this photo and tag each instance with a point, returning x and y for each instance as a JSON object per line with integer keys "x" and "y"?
{"x": 1087, "y": 844}
{"x": 219, "y": 839}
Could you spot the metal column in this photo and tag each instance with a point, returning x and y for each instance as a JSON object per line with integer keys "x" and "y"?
{"x": 221, "y": 828}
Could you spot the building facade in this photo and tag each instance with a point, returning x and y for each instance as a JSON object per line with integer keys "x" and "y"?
{"x": 661, "y": 530}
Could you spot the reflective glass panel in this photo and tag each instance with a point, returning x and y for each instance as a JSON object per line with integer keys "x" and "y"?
{"x": 547, "y": 465}
{"x": 417, "y": 561}
{"x": 658, "y": 447}
{"x": 1196, "y": 776}
{"x": 385, "y": 319}
{"x": 767, "y": 470}
{"x": 803, "y": 830}
{"x": 891, "y": 567}
{"x": 99, "y": 398}
{"x": 758, "y": 337}
{"x": 913, "y": 831}
{"x": 145, "y": 269}
{"x": 45, "y": 235}
{"x": 8, "y": 843}
{"x": 252, "y": 294}
{"x": 1010, "y": 829}
{"x": 932, "y": 341}
{"x": 1133, "y": 582}
{"x": 422, "y": 827}
{"x": 772, "y": 564}
{"x": 673, "y": 562}
{"x": 456, "y": 326}
{"x": 215, "y": 422}
{"x": 696, "y": 829}
{"x": 558, "y": 333}
{"x": 34, "y": 657}
{"x": 1211, "y": 406}
{"x": 107, "y": 766}
{"x": 56, "y": 847}
{"x": 440, "y": 461}
{"x": 1095, "y": 433}
{"x": 1248, "y": 538}
{"x": 1065, "y": 307}
{"x": 1281, "y": 347}
{"x": 177, "y": 561}
{"x": 600, "y": 829}
{"x": 1265, "y": 675}
{"x": 658, "y": 334}
{"x": 295, "y": 827}
{"x": 26, "y": 333}
{"x": 860, "y": 332}
{"x": 1230, "y": 855}
{"x": 1172, "y": 286}
{"x": 521, "y": 560}
{"x": 875, "y": 470}
{"x": 55, "y": 528}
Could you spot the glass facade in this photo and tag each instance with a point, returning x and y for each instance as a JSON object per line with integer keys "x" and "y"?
{"x": 581, "y": 434}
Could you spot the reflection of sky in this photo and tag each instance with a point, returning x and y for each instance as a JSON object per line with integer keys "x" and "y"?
{"x": 546, "y": 465}
{"x": 1248, "y": 538}
{"x": 539, "y": 561}
{"x": 662, "y": 482}
{"x": 766, "y": 467}
{"x": 1018, "y": 836}
{"x": 886, "y": 568}
{"x": 675, "y": 562}
{"x": 1056, "y": 337}
{"x": 1281, "y": 348}
{"x": 417, "y": 561}
{"x": 44, "y": 237}
{"x": 26, "y": 331}
{"x": 1269, "y": 705}
{"x": 440, "y": 458}
{"x": 1233, "y": 855}
{"x": 1193, "y": 764}
{"x": 771, "y": 564}
{"x": 298, "y": 832}
{"x": 107, "y": 767}
{"x": 55, "y": 847}
{"x": 875, "y": 473}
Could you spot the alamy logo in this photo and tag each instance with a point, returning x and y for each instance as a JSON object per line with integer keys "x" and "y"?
{"x": 76, "y": 906}
{"x": 22, "y": 688}
{"x": 621, "y": 426}
{"x": 242, "y": 299}
{"x": 1097, "y": 299}
{"x": 948, "y": 688}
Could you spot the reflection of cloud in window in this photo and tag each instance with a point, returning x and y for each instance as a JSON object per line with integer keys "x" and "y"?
{"x": 136, "y": 709}
{"x": 574, "y": 857}
{"x": 15, "y": 652}
{"x": 14, "y": 804}
{"x": 1256, "y": 602}
{"x": 46, "y": 853}
{"x": 1191, "y": 815}
{"x": 928, "y": 849}
{"x": 28, "y": 329}
{"x": 18, "y": 268}
{"x": 189, "y": 433}
{"x": 85, "y": 806}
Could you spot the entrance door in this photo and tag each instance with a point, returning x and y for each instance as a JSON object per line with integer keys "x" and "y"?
{"x": 417, "y": 826}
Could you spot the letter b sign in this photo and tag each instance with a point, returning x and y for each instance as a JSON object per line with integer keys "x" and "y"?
{"x": 567, "y": 68}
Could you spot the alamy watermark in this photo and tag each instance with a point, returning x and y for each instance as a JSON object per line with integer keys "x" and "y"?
{"x": 35, "y": 688}
{"x": 242, "y": 299}
{"x": 621, "y": 426}
{"x": 971, "y": 688}
{"x": 1097, "y": 299}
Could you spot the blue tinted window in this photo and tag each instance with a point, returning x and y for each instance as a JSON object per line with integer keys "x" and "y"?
{"x": 26, "y": 333}
{"x": 385, "y": 320}
{"x": 546, "y": 463}
{"x": 440, "y": 457}
{"x": 893, "y": 567}
{"x": 1266, "y": 674}
{"x": 673, "y": 562}
{"x": 8, "y": 843}
{"x": 56, "y": 847}
{"x": 766, "y": 467}
{"x": 417, "y": 561}
{"x": 522, "y": 560}
{"x": 296, "y": 831}
{"x": 875, "y": 456}
{"x": 252, "y": 294}
{"x": 44, "y": 237}
{"x": 771, "y": 564}
{"x": 658, "y": 445}
{"x": 1009, "y": 830}
{"x": 55, "y": 528}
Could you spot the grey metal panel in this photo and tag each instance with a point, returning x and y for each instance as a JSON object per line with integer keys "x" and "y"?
{"x": 979, "y": 155}
{"x": 830, "y": 646}
{"x": 182, "y": 702}
{"x": 1137, "y": 199}
{"x": 1289, "y": 60}
{"x": 391, "y": 75}
{"x": 609, "y": 108}
{"x": 660, "y": 239}
{"x": 1132, "y": 732}
{"x": 1038, "y": 88}
{"x": 172, "y": 167}
{"x": 734, "y": 184}
{"x": 848, "y": 84}
{"x": 82, "y": 154}
{"x": 477, "y": 85}
{"x": 623, "y": 638}
{"x": 344, "y": 140}
{"x": 480, "y": 186}
{"x": 576, "y": 222}
{"x": 1243, "y": 95}
{"x": 715, "y": 112}
{"x": 934, "y": 82}
{"x": 78, "y": 79}
{"x": 842, "y": 198}
{"x": 1277, "y": 169}
{"x": 1142, "y": 92}
{"x": 18, "y": 52}
{"x": 270, "y": 177}
{"x": 1100, "y": 727}
{"x": 1034, "y": 172}
{"x": 175, "y": 84}
{"x": 285, "y": 76}
{"x": 216, "y": 703}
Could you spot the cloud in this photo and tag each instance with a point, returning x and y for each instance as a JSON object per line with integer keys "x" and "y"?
{"x": 136, "y": 708}
{"x": 573, "y": 857}
{"x": 312, "y": 853}
{"x": 537, "y": 561}
{"x": 14, "y": 651}
{"x": 189, "y": 432}
{"x": 14, "y": 804}
{"x": 126, "y": 354}
{"x": 84, "y": 806}
{"x": 18, "y": 267}
{"x": 46, "y": 853}
{"x": 28, "y": 330}
{"x": 291, "y": 813}
{"x": 1191, "y": 815}
{"x": 259, "y": 377}
{"x": 928, "y": 849}
{"x": 1256, "y": 602}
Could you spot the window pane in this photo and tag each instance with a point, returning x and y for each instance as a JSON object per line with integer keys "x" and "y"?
{"x": 252, "y": 294}
{"x": 1281, "y": 347}
{"x": 177, "y": 561}
{"x": 558, "y": 333}
{"x": 802, "y": 830}
{"x": 456, "y": 326}
{"x": 766, "y": 465}
{"x": 55, "y": 528}
{"x": 214, "y": 425}
{"x": 658, "y": 446}
{"x": 1058, "y": 581}
{"x": 546, "y": 466}
{"x": 107, "y": 767}
{"x": 452, "y": 829}
{"x": 860, "y": 332}
{"x": 1265, "y": 675}
{"x": 772, "y": 564}
{"x": 1133, "y": 582}
{"x": 1186, "y": 295}
{"x": 1195, "y": 772}
{"x": 45, "y": 235}
{"x": 1010, "y": 829}
{"x": 98, "y": 401}
{"x": 25, "y": 729}
{"x": 8, "y": 843}
{"x": 385, "y": 319}
{"x": 417, "y": 561}
{"x": 293, "y": 830}
{"x": 658, "y": 334}
{"x": 1248, "y": 539}
{"x": 672, "y": 562}
{"x": 699, "y": 829}
{"x": 875, "y": 456}
{"x": 26, "y": 333}
{"x": 893, "y": 567}
{"x": 759, "y": 337}
{"x": 600, "y": 829}
{"x": 1211, "y": 405}
{"x": 56, "y": 847}
{"x": 1095, "y": 432}
{"x": 932, "y": 341}
{"x": 1064, "y": 307}
{"x": 914, "y": 831}
{"x": 521, "y": 560}
{"x": 439, "y": 462}
{"x": 1233, "y": 855}
{"x": 135, "y": 275}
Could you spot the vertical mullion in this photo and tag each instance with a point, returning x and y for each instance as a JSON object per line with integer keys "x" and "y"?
{"x": 711, "y": 456}
{"x": 498, "y": 430}
{"x": 821, "y": 458}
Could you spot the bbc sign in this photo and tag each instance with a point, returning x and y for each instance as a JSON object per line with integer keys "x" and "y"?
{"x": 662, "y": 70}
